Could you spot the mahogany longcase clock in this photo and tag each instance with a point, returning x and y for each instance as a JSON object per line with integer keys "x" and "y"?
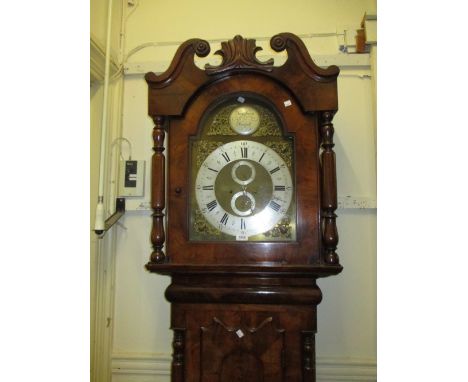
{"x": 251, "y": 200}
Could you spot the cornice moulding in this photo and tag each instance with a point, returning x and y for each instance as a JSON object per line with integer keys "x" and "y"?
{"x": 342, "y": 60}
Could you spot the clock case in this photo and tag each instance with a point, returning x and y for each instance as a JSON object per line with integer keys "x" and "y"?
{"x": 244, "y": 309}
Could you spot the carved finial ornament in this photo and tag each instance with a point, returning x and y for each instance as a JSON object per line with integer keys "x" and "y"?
{"x": 239, "y": 53}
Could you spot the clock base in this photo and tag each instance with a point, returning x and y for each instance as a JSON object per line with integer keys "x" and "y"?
{"x": 244, "y": 326}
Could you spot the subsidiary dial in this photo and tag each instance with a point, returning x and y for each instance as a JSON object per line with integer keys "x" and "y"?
{"x": 244, "y": 120}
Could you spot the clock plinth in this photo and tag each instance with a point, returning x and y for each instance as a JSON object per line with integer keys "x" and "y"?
{"x": 251, "y": 195}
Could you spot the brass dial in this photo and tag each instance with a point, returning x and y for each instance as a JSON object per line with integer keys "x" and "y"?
{"x": 243, "y": 188}
{"x": 242, "y": 177}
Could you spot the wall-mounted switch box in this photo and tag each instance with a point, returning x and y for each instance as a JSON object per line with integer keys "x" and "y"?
{"x": 132, "y": 178}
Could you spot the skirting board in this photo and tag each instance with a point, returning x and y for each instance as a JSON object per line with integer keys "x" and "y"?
{"x": 134, "y": 367}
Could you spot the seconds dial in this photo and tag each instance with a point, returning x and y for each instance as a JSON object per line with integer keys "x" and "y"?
{"x": 243, "y": 188}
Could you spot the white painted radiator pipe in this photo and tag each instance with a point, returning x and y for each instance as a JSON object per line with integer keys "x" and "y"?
{"x": 100, "y": 219}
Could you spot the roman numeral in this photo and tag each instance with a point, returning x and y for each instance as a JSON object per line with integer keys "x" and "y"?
{"x": 274, "y": 170}
{"x": 226, "y": 157}
{"x": 274, "y": 206}
{"x": 280, "y": 188}
{"x": 212, "y": 169}
{"x": 242, "y": 223}
{"x": 207, "y": 188}
{"x": 244, "y": 152}
{"x": 224, "y": 219}
{"x": 261, "y": 158}
{"x": 212, "y": 205}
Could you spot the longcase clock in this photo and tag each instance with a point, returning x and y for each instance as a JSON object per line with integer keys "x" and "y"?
{"x": 251, "y": 200}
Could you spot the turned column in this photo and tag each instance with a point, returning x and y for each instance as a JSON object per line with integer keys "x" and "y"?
{"x": 158, "y": 196}
{"x": 178, "y": 346}
{"x": 329, "y": 194}
{"x": 308, "y": 356}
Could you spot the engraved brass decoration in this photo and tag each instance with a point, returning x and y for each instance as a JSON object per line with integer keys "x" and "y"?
{"x": 268, "y": 124}
{"x": 284, "y": 149}
{"x": 203, "y": 149}
{"x": 201, "y": 225}
{"x": 220, "y": 124}
{"x": 281, "y": 230}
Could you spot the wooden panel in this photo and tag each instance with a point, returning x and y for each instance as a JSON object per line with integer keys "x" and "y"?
{"x": 249, "y": 343}
{"x": 241, "y": 353}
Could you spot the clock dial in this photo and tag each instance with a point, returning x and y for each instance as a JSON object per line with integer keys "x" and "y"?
{"x": 243, "y": 188}
{"x": 242, "y": 174}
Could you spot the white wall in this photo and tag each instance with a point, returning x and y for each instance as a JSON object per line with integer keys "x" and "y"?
{"x": 346, "y": 340}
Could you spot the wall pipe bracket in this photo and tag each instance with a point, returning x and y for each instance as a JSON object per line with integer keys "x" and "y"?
{"x": 114, "y": 218}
